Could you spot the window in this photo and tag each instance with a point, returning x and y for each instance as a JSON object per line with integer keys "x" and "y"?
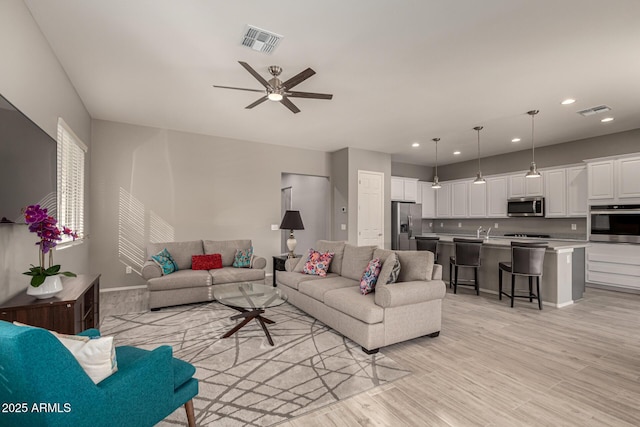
{"x": 71, "y": 153}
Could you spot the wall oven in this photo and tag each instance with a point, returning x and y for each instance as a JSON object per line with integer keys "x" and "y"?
{"x": 525, "y": 206}
{"x": 615, "y": 223}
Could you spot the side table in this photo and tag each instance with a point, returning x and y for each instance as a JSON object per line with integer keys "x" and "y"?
{"x": 278, "y": 264}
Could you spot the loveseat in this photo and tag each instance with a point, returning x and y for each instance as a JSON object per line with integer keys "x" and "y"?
{"x": 395, "y": 312}
{"x": 185, "y": 285}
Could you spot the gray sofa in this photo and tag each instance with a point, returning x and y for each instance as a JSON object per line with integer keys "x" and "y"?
{"x": 396, "y": 312}
{"x": 187, "y": 286}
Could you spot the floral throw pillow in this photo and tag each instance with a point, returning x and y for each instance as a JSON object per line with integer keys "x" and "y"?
{"x": 243, "y": 258}
{"x": 370, "y": 276}
{"x": 318, "y": 263}
{"x": 165, "y": 262}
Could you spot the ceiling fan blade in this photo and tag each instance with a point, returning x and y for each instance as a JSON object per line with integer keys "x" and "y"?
{"x": 258, "y": 102}
{"x": 294, "y": 94}
{"x": 298, "y": 78}
{"x": 290, "y": 105}
{"x": 240, "y": 88}
{"x": 255, "y": 74}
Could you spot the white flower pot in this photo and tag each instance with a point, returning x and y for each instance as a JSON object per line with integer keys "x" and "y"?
{"x": 51, "y": 286}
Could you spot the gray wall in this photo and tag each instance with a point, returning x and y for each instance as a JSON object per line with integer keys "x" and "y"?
{"x": 340, "y": 187}
{"x": 152, "y": 184}
{"x": 407, "y": 170}
{"x": 547, "y": 156}
{"x": 32, "y": 79}
{"x": 311, "y": 196}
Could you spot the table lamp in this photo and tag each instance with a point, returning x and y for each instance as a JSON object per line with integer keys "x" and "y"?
{"x": 291, "y": 221}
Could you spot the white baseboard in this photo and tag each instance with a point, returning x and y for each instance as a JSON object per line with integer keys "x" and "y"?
{"x": 123, "y": 288}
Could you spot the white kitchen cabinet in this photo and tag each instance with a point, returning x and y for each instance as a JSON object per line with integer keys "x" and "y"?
{"x": 613, "y": 264}
{"x": 520, "y": 186}
{"x": 428, "y": 199}
{"x": 600, "y": 180}
{"x": 628, "y": 177}
{"x": 555, "y": 193}
{"x": 459, "y": 199}
{"x": 443, "y": 200}
{"x": 577, "y": 191}
{"x": 404, "y": 189}
{"x": 477, "y": 207}
{"x": 497, "y": 195}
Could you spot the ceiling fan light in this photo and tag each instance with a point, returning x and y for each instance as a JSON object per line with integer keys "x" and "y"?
{"x": 275, "y": 96}
{"x": 533, "y": 171}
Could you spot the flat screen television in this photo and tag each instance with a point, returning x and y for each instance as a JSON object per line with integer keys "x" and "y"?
{"x": 27, "y": 164}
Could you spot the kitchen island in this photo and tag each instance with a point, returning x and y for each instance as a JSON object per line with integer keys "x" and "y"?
{"x": 563, "y": 276}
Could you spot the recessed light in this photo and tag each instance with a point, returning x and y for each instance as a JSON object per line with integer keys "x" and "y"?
{"x": 455, "y": 153}
{"x": 415, "y": 144}
{"x": 568, "y": 101}
{"x": 515, "y": 140}
{"x": 607, "y": 119}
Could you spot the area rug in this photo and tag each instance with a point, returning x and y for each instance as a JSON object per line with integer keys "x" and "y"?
{"x": 243, "y": 380}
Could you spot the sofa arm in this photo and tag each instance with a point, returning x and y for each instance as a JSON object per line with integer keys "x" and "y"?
{"x": 258, "y": 262}
{"x": 406, "y": 293}
{"x": 151, "y": 270}
{"x": 437, "y": 272}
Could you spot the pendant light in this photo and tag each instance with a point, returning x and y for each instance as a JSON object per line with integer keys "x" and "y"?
{"x": 479, "y": 179}
{"x": 436, "y": 181}
{"x": 533, "y": 170}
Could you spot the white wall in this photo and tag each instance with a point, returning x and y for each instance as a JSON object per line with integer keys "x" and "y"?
{"x": 180, "y": 186}
{"x": 32, "y": 79}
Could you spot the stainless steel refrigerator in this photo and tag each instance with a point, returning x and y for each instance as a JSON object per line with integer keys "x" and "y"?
{"x": 406, "y": 223}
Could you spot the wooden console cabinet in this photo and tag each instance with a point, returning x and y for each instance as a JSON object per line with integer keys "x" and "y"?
{"x": 73, "y": 310}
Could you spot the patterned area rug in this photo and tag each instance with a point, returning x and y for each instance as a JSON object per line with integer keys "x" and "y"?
{"x": 243, "y": 380}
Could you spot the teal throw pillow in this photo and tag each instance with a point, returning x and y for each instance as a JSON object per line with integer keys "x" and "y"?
{"x": 165, "y": 262}
{"x": 243, "y": 258}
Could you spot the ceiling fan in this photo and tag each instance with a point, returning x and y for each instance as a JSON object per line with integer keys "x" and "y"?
{"x": 277, "y": 90}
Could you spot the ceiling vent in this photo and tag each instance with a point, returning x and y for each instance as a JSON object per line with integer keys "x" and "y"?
{"x": 594, "y": 110}
{"x": 260, "y": 40}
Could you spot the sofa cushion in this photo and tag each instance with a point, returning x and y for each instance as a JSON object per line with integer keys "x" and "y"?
{"x": 232, "y": 275}
{"x": 351, "y": 302}
{"x": 337, "y": 247}
{"x": 227, "y": 248}
{"x": 180, "y": 279}
{"x": 415, "y": 265}
{"x": 318, "y": 263}
{"x": 317, "y": 288}
{"x": 387, "y": 268}
{"x": 293, "y": 278}
{"x": 370, "y": 276}
{"x": 383, "y": 254}
{"x": 355, "y": 260}
{"x": 180, "y": 251}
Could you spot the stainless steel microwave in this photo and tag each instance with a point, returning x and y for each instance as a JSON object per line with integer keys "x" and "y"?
{"x": 615, "y": 223}
{"x": 525, "y": 206}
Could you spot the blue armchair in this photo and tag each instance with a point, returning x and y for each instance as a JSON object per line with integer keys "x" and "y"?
{"x": 37, "y": 370}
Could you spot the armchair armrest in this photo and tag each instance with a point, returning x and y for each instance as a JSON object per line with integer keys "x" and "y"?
{"x": 258, "y": 262}
{"x": 405, "y": 293}
{"x": 437, "y": 272}
{"x": 150, "y": 270}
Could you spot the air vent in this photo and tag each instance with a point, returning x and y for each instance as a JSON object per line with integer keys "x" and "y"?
{"x": 594, "y": 110}
{"x": 260, "y": 40}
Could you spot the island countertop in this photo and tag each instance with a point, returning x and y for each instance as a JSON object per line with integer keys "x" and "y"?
{"x": 505, "y": 242}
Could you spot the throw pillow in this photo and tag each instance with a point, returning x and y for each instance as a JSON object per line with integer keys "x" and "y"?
{"x": 318, "y": 263}
{"x": 206, "y": 262}
{"x": 243, "y": 258}
{"x": 370, "y": 276}
{"x": 388, "y": 263}
{"x": 395, "y": 272}
{"x": 165, "y": 261}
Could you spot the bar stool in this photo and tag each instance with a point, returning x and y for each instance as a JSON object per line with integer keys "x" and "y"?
{"x": 527, "y": 259}
{"x": 467, "y": 254}
{"x": 428, "y": 244}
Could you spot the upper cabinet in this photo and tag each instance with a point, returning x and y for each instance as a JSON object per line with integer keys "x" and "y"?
{"x": 577, "y": 191}
{"x": 459, "y": 199}
{"x": 477, "y": 207}
{"x": 614, "y": 179}
{"x": 497, "y": 194}
{"x": 555, "y": 192}
{"x": 443, "y": 200}
{"x": 427, "y": 196}
{"x": 404, "y": 189}
{"x": 519, "y": 186}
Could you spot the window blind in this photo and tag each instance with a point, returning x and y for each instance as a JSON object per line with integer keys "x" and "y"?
{"x": 71, "y": 153}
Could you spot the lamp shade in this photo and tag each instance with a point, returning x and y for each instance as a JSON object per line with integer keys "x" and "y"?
{"x": 292, "y": 221}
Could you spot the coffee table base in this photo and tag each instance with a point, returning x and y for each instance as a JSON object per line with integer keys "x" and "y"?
{"x": 248, "y": 316}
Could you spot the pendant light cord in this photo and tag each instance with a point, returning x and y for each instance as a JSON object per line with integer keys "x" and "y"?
{"x": 436, "y": 141}
{"x": 533, "y": 141}
{"x": 478, "y": 128}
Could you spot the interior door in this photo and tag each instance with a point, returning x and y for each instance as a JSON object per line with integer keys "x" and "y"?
{"x": 370, "y": 208}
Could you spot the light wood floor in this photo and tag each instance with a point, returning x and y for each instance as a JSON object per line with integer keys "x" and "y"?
{"x": 497, "y": 366}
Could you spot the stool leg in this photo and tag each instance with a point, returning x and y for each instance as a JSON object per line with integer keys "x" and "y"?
{"x": 530, "y": 288}
{"x": 475, "y": 275}
{"x": 538, "y": 292}
{"x": 513, "y": 288}
{"x": 499, "y": 283}
{"x": 455, "y": 282}
{"x": 450, "y": 274}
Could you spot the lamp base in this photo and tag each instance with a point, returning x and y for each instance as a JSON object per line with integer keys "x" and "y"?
{"x": 291, "y": 244}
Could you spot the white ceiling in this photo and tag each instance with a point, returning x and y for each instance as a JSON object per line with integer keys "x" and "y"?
{"x": 400, "y": 71}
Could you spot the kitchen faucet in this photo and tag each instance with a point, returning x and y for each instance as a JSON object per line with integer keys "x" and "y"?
{"x": 481, "y": 230}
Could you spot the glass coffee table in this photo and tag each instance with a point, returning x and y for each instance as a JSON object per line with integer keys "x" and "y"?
{"x": 251, "y": 300}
